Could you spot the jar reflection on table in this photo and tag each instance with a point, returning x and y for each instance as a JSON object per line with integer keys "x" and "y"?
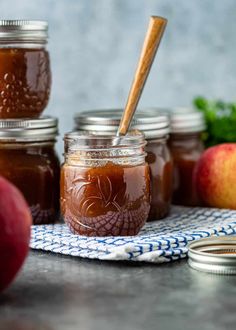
{"x": 25, "y": 76}
{"x": 105, "y": 190}
{"x": 28, "y": 159}
{"x": 155, "y": 126}
{"x": 186, "y": 147}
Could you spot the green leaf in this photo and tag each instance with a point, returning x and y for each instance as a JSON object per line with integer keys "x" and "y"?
{"x": 220, "y": 120}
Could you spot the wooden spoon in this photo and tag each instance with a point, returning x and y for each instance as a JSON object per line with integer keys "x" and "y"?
{"x": 152, "y": 40}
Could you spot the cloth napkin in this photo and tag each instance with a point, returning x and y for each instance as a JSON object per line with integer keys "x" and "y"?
{"x": 158, "y": 242}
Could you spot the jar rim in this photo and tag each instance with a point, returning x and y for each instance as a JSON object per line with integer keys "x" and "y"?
{"x": 89, "y": 149}
{"x": 91, "y": 141}
{"x": 93, "y": 135}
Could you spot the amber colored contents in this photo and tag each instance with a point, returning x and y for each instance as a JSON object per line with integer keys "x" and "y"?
{"x": 25, "y": 81}
{"x": 186, "y": 149}
{"x": 161, "y": 173}
{"x": 35, "y": 170}
{"x": 106, "y": 200}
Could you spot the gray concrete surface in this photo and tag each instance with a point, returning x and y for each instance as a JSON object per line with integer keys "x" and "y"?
{"x": 54, "y": 292}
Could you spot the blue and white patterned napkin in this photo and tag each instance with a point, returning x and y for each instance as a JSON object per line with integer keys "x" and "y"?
{"x": 159, "y": 241}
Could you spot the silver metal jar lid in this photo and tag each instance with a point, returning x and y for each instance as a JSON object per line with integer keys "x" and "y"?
{"x": 152, "y": 123}
{"x": 213, "y": 255}
{"x": 20, "y": 130}
{"x": 23, "y": 31}
{"x": 183, "y": 120}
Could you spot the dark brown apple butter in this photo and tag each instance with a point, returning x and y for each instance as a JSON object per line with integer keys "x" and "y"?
{"x": 103, "y": 201}
{"x": 35, "y": 170}
{"x": 186, "y": 147}
{"x": 25, "y": 81}
{"x": 28, "y": 159}
{"x": 25, "y": 76}
{"x": 107, "y": 192}
{"x": 161, "y": 174}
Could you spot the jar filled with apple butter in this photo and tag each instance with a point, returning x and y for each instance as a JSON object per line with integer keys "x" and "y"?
{"x": 186, "y": 147}
{"x": 28, "y": 159}
{"x": 25, "y": 75}
{"x": 105, "y": 188}
{"x": 155, "y": 126}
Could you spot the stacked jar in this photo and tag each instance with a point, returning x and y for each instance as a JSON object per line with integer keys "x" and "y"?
{"x": 155, "y": 126}
{"x": 27, "y": 139}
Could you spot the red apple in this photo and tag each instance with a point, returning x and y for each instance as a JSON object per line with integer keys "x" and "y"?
{"x": 15, "y": 222}
{"x": 215, "y": 176}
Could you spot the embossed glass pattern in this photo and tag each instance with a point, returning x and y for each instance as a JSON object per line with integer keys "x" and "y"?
{"x": 105, "y": 189}
{"x": 25, "y": 75}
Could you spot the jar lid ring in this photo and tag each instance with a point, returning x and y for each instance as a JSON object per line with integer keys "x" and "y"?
{"x": 213, "y": 255}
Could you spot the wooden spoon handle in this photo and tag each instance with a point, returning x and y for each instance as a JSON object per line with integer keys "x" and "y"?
{"x": 152, "y": 40}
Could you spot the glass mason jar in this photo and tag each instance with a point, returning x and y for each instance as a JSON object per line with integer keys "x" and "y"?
{"x": 155, "y": 126}
{"x": 25, "y": 76}
{"x": 105, "y": 188}
{"x": 186, "y": 148}
{"x": 29, "y": 161}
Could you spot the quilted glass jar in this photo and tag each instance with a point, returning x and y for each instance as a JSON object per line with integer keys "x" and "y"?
{"x": 155, "y": 126}
{"x": 105, "y": 188}
{"x": 28, "y": 159}
{"x": 25, "y": 75}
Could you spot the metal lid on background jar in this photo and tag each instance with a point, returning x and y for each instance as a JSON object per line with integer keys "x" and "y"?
{"x": 24, "y": 130}
{"x": 23, "y": 31}
{"x": 213, "y": 255}
{"x": 183, "y": 120}
{"x": 152, "y": 123}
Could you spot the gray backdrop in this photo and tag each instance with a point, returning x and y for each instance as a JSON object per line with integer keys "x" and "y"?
{"x": 95, "y": 44}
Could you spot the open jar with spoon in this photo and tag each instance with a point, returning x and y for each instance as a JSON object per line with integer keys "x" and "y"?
{"x": 105, "y": 182}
